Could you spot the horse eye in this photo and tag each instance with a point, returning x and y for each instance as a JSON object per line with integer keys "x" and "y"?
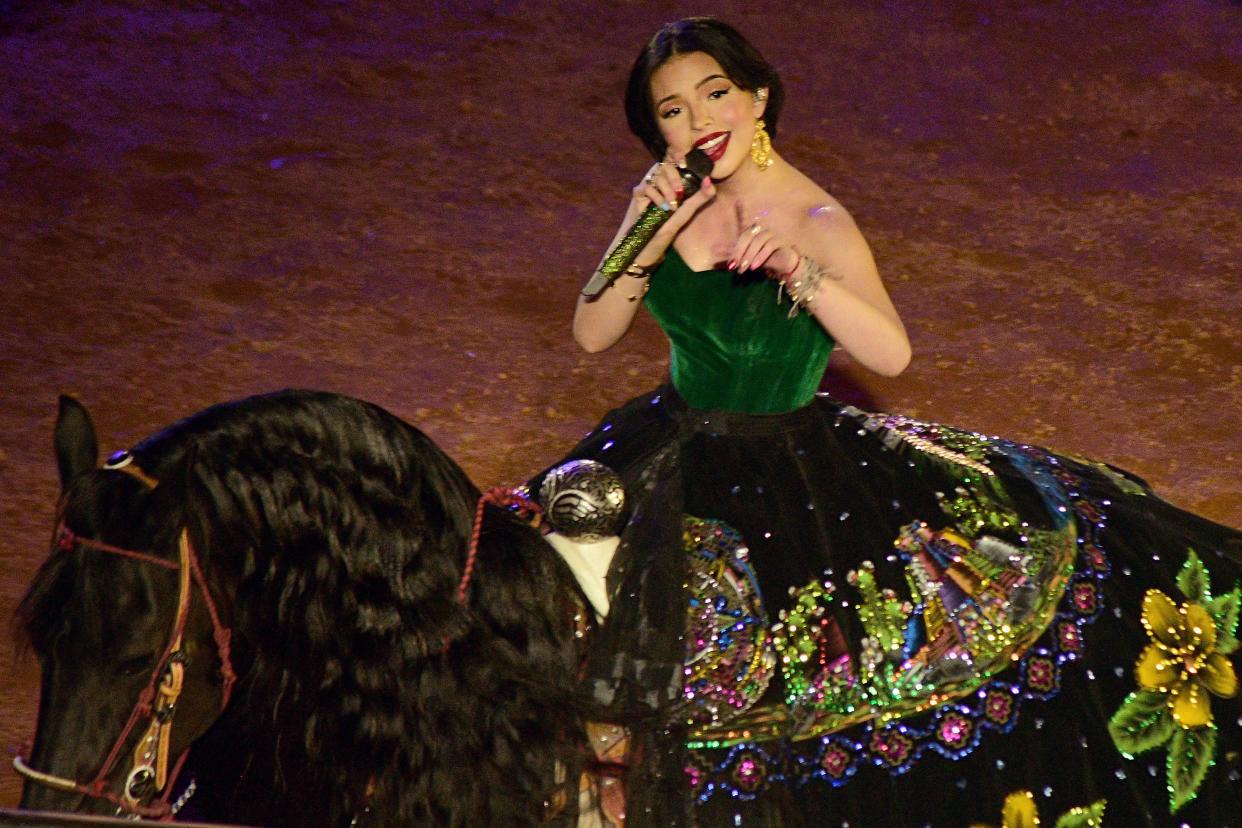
{"x": 136, "y": 665}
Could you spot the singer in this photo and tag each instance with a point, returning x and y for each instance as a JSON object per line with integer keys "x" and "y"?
{"x": 823, "y": 616}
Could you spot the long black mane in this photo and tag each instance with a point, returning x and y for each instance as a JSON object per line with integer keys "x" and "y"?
{"x": 335, "y": 536}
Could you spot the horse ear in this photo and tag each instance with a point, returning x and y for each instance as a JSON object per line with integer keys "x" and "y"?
{"x": 77, "y": 450}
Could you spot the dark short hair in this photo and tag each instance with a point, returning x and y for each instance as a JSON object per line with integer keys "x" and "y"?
{"x": 741, "y": 62}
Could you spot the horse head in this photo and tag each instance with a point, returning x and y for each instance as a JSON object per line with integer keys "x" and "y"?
{"x": 394, "y": 657}
{"x": 131, "y": 671}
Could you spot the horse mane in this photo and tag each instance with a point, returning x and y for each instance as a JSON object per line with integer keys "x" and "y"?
{"x": 338, "y": 534}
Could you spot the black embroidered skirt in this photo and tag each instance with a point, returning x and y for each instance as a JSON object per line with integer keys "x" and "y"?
{"x": 831, "y": 617}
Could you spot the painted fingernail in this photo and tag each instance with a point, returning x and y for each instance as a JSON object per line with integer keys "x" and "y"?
{"x": 674, "y": 203}
{"x": 664, "y": 206}
{"x": 744, "y": 266}
{"x": 681, "y": 193}
{"x": 732, "y": 264}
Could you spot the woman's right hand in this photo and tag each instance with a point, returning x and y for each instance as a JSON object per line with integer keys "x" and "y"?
{"x": 663, "y": 187}
{"x": 601, "y": 320}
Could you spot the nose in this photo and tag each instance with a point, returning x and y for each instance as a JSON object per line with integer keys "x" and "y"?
{"x": 699, "y": 117}
{"x": 36, "y": 797}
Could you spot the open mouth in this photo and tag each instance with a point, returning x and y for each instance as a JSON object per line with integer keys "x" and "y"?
{"x": 713, "y": 145}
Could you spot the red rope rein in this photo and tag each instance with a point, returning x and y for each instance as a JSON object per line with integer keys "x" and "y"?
{"x": 70, "y": 539}
{"x": 517, "y": 501}
{"x": 222, "y": 634}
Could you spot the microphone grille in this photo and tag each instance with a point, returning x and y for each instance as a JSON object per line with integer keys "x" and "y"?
{"x": 698, "y": 163}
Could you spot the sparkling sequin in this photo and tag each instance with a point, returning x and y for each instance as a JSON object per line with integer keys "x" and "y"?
{"x": 729, "y": 659}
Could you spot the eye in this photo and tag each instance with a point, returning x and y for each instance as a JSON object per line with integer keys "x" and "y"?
{"x": 717, "y": 94}
{"x": 670, "y": 112}
{"x": 135, "y": 665}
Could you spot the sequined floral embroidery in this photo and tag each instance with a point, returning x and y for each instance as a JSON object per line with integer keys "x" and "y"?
{"x": 1041, "y": 674}
{"x": 749, "y": 772}
{"x": 1180, "y": 669}
{"x": 892, "y": 746}
{"x": 999, "y": 706}
{"x": 955, "y": 730}
{"x": 838, "y": 762}
{"x": 1182, "y": 660}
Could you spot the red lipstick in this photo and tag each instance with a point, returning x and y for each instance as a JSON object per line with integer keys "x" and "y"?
{"x": 713, "y": 145}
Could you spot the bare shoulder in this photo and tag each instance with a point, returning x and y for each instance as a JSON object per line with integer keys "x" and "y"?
{"x": 824, "y": 224}
{"x": 822, "y": 228}
{"x": 814, "y": 214}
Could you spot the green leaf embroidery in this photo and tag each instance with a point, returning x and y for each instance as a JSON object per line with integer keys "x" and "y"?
{"x": 1224, "y": 610}
{"x": 1194, "y": 581}
{"x": 1089, "y": 817}
{"x": 1191, "y": 754}
{"x": 1141, "y": 723}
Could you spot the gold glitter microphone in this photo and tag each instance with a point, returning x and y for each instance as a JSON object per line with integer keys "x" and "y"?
{"x": 697, "y": 167}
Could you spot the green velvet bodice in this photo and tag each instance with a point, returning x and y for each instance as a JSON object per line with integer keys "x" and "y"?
{"x": 734, "y": 346}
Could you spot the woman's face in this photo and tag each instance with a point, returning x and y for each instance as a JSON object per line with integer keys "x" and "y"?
{"x": 696, "y": 105}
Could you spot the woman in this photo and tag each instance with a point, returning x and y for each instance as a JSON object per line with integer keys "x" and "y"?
{"x": 829, "y": 617}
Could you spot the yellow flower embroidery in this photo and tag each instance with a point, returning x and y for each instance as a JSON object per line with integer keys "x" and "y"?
{"x": 1020, "y": 812}
{"x": 1182, "y": 660}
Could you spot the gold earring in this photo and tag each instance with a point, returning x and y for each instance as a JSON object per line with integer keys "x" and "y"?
{"x": 761, "y": 146}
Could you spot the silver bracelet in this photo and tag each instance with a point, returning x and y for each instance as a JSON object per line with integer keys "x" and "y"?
{"x": 802, "y": 282}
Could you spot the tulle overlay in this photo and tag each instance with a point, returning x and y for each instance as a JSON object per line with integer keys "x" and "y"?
{"x": 831, "y": 617}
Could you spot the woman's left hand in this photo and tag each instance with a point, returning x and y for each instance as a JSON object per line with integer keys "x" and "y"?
{"x": 757, "y": 246}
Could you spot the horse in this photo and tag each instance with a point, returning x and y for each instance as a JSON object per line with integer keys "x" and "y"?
{"x": 288, "y": 600}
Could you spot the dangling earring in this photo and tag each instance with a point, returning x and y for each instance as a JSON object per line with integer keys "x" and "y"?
{"x": 761, "y": 146}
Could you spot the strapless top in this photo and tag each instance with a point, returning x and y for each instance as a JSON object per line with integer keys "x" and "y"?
{"x": 734, "y": 345}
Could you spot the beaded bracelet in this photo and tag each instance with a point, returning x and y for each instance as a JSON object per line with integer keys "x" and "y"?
{"x": 801, "y": 289}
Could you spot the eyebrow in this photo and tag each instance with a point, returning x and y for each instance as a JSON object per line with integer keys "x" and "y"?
{"x": 698, "y": 85}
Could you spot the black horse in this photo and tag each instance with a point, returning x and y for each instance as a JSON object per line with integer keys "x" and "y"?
{"x": 285, "y": 588}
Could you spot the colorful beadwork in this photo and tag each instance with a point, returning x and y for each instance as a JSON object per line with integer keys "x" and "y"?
{"x": 933, "y": 674}
{"x": 973, "y": 610}
{"x": 729, "y": 659}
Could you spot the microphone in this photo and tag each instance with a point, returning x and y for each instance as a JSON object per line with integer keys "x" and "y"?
{"x": 697, "y": 167}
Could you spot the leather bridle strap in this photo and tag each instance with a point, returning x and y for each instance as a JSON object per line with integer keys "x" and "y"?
{"x": 151, "y": 753}
{"x": 150, "y": 756}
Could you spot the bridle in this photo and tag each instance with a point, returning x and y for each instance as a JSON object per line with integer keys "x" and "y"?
{"x": 158, "y": 700}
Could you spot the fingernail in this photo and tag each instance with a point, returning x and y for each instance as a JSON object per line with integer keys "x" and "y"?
{"x": 732, "y": 263}
{"x": 681, "y": 193}
{"x": 664, "y": 206}
{"x": 744, "y": 266}
{"x": 674, "y": 204}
